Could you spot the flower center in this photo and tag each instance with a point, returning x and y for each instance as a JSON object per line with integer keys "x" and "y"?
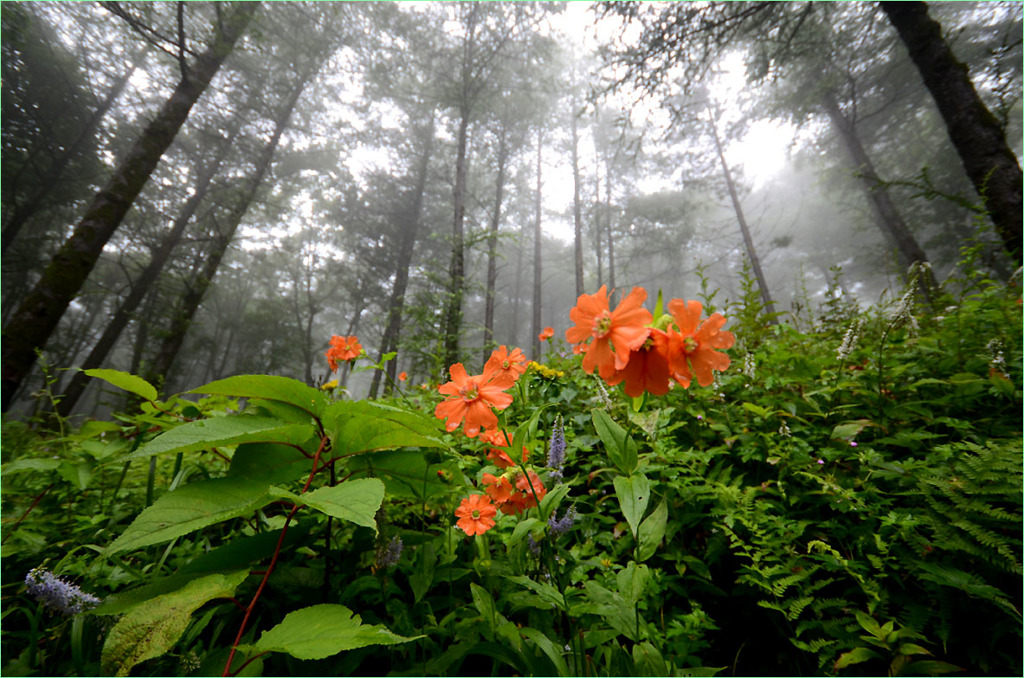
{"x": 505, "y": 364}
{"x": 476, "y": 514}
{"x": 471, "y": 392}
{"x": 602, "y": 324}
{"x": 690, "y": 344}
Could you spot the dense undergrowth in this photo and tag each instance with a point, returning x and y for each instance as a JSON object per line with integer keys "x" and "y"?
{"x": 844, "y": 499}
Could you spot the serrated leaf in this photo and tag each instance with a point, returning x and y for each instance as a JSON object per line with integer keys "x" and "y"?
{"x": 19, "y": 465}
{"x": 354, "y": 500}
{"x": 634, "y": 493}
{"x": 268, "y": 387}
{"x": 126, "y": 382}
{"x": 153, "y": 627}
{"x": 192, "y": 508}
{"x": 269, "y": 462}
{"x": 220, "y": 431}
{"x": 362, "y": 426}
{"x": 323, "y": 630}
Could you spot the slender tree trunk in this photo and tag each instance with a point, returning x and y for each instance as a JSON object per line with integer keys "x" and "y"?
{"x": 39, "y": 313}
{"x": 577, "y": 215}
{"x": 410, "y": 232}
{"x": 537, "y": 235}
{"x": 492, "y": 245}
{"x": 755, "y": 262}
{"x": 23, "y": 212}
{"x": 608, "y": 227}
{"x": 457, "y": 269}
{"x": 598, "y": 244}
{"x": 975, "y": 132}
{"x": 142, "y": 285}
{"x": 193, "y": 297}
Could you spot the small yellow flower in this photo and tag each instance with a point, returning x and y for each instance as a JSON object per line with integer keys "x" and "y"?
{"x": 330, "y": 386}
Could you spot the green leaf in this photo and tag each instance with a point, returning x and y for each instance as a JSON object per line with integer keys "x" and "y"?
{"x": 127, "y": 382}
{"x": 354, "y": 500}
{"x": 548, "y": 593}
{"x": 268, "y": 462}
{"x": 19, "y": 465}
{"x": 912, "y": 648}
{"x": 219, "y": 431}
{"x": 523, "y": 527}
{"x": 856, "y": 656}
{"x": 634, "y": 493}
{"x": 756, "y": 409}
{"x": 618, "y": 444}
{"x": 552, "y": 499}
{"x": 406, "y": 472}
{"x": 362, "y": 426}
{"x": 632, "y": 580}
{"x": 269, "y": 387}
{"x": 548, "y": 648}
{"x": 152, "y": 628}
{"x": 320, "y": 631}
{"x": 929, "y": 667}
{"x": 850, "y": 429}
{"x": 652, "y": 531}
{"x": 485, "y": 605}
{"x": 190, "y": 508}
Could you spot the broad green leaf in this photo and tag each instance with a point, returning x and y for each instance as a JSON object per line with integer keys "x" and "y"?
{"x": 354, "y": 500}
{"x": 634, "y": 493}
{"x": 648, "y": 661}
{"x": 269, "y": 387}
{"x": 485, "y": 606}
{"x": 652, "y": 531}
{"x": 19, "y": 465}
{"x": 553, "y": 652}
{"x": 220, "y": 431}
{"x": 756, "y": 409}
{"x": 152, "y": 628}
{"x": 618, "y": 444}
{"x": 406, "y": 473}
{"x": 632, "y": 580}
{"x": 363, "y": 426}
{"x": 320, "y": 631}
{"x": 850, "y": 429}
{"x": 869, "y": 624}
{"x": 269, "y": 462}
{"x": 547, "y": 592}
{"x": 855, "y": 656}
{"x": 552, "y": 499}
{"x": 523, "y": 527}
{"x": 192, "y": 508}
{"x": 126, "y": 382}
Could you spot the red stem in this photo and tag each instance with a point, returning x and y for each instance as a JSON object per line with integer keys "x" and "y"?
{"x": 273, "y": 563}
{"x": 24, "y": 515}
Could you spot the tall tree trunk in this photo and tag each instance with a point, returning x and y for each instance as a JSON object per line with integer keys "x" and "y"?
{"x": 598, "y": 243}
{"x": 755, "y": 262}
{"x": 577, "y": 215}
{"x": 887, "y": 217}
{"x": 492, "y": 244}
{"x": 39, "y": 313}
{"x": 537, "y": 235}
{"x": 142, "y": 285}
{"x": 410, "y": 231}
{"x": 457, "y": 269}
{"x": 975, "y": 132}
{"x": 608, "y": 227}
{"x": 193, "y": 297}
{"x": 23, "y": 212}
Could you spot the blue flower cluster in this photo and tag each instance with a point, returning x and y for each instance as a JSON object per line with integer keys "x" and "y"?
{"x": 57, "y": 594}
{"x": 556, "y": 450}
{"x": 388, "y": 554}
{"x": 563, "y": 525}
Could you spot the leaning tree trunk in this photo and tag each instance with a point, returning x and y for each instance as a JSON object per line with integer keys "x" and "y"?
{"x": 975, "y": 132}
{"x": 887, "y": 217}
{"x": 39, "y": 313}
{"x": 537, "y": 234}
{"x": 193, "y": 297}
{"x": 396, "y": 304}
{"x": 755, "y": 262}
{"x": 492, "y": 244}
{"x": 142, "y": 285}
{"x": 21, "y": 213}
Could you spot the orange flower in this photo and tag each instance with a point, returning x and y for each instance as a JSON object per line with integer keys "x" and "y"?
{"x": 497, "y": 487}
{"x": 613, "y": 334}
{"x": 476, "y": 514}
{"x": 343, "y": 349}
{"x": 692, "y": 346}
{"x": 513, "y": 364}
{"x": 546, "y": 334}
{"x": 498, "y": 456}
{"x": 523, "y": 498}
{"x": 402, "y": 376}
{"x": 647, "y": 370}
{"x": 470, "y": 398}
